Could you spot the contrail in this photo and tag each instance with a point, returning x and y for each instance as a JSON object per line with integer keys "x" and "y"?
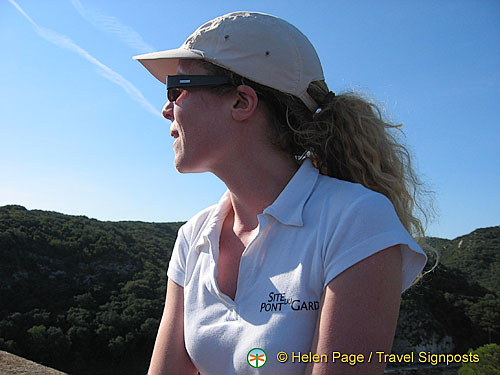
{"x": 113, "y": 25}
{"x": 65, "y": 42}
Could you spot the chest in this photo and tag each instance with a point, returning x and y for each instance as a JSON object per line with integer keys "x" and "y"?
{"x": 231, "y": 248}
{"x": 274, "y": 306}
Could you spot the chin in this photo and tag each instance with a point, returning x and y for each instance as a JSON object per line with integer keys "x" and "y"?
{"x": 183, "y": 167}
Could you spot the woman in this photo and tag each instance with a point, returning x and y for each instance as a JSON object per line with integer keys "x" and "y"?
{"x": 309, "y": 249}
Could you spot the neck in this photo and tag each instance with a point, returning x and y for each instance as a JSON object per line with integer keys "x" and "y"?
{"x": 254, "y": 184}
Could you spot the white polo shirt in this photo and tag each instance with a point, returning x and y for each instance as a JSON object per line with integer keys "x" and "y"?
{"x": 317, "y": 227}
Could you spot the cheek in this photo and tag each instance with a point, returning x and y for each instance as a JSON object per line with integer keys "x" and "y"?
{"x": 182, "y": 119}
{"x": 191, "y": 128}
{"x": 200, "y": 119}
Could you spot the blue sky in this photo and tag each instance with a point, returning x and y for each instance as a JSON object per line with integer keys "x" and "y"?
{"x": 81, "y": 134}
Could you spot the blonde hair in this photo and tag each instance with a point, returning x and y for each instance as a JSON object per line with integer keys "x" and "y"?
{"x": 346, "y": 138}
{"x": 351, "y": 141}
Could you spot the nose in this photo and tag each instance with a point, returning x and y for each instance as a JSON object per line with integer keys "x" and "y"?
{"x": 168, "y": 111}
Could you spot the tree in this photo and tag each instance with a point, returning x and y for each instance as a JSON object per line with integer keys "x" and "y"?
{"x": 488, "y": 364}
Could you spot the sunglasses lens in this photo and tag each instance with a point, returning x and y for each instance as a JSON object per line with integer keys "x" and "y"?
{"x": 173, "y": 94}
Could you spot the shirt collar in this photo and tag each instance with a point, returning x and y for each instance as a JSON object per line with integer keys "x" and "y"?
{"x": 289, "y": 205}
{"x": 215, "y": 221}
{"x": 221, "y": 210}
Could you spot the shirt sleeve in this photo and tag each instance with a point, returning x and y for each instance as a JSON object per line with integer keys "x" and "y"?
{"x": 177, "y": 265}
{"x": 370, "y": 224}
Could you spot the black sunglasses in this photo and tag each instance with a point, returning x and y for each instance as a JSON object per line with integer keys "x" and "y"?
{"x": 175, "y": 84}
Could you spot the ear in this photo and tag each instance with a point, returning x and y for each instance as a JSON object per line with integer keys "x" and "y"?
{"x": 245, "y": 103}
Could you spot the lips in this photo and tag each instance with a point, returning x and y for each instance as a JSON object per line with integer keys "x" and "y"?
{"x": 174, "y": 133}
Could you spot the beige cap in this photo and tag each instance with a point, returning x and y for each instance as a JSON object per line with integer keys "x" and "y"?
{"x": 258, "y": 46}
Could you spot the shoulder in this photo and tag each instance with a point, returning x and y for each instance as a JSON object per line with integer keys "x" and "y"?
{"x": 355, "y": 223}
{"x": 335, "y": 200}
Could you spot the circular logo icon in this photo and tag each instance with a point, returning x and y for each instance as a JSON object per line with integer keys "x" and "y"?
{"x": 256, "y": 357}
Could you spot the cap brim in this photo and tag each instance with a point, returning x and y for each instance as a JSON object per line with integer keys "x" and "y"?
{"x": 163, "y": 63}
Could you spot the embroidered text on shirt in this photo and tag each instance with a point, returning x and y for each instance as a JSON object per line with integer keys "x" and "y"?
{"x": 277, "y": 301}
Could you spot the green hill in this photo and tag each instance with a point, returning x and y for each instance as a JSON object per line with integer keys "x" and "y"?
{"x": 457, "y": 306}
{"x": 79, "y": 294}
{"x": 477, "y": 255}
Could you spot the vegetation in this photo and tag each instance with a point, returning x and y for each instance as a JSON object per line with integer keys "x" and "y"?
{"x": 81, "y": 295}
{"x": 447, "y": 304}
{"x": 489, "y": 361}
{"x": 86, "y": 296}
{"x": 476, "y": 255}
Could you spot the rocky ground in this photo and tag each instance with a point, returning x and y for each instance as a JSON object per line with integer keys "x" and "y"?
{"x": 11, "y": 364}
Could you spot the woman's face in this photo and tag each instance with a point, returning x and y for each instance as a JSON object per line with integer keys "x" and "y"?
{"x": 198, "y": 125}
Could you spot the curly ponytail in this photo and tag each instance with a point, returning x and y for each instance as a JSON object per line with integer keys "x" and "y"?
{"x": 361, "y": 147}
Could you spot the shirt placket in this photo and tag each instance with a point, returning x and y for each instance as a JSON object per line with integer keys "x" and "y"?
{"x": 244, "y": 272}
